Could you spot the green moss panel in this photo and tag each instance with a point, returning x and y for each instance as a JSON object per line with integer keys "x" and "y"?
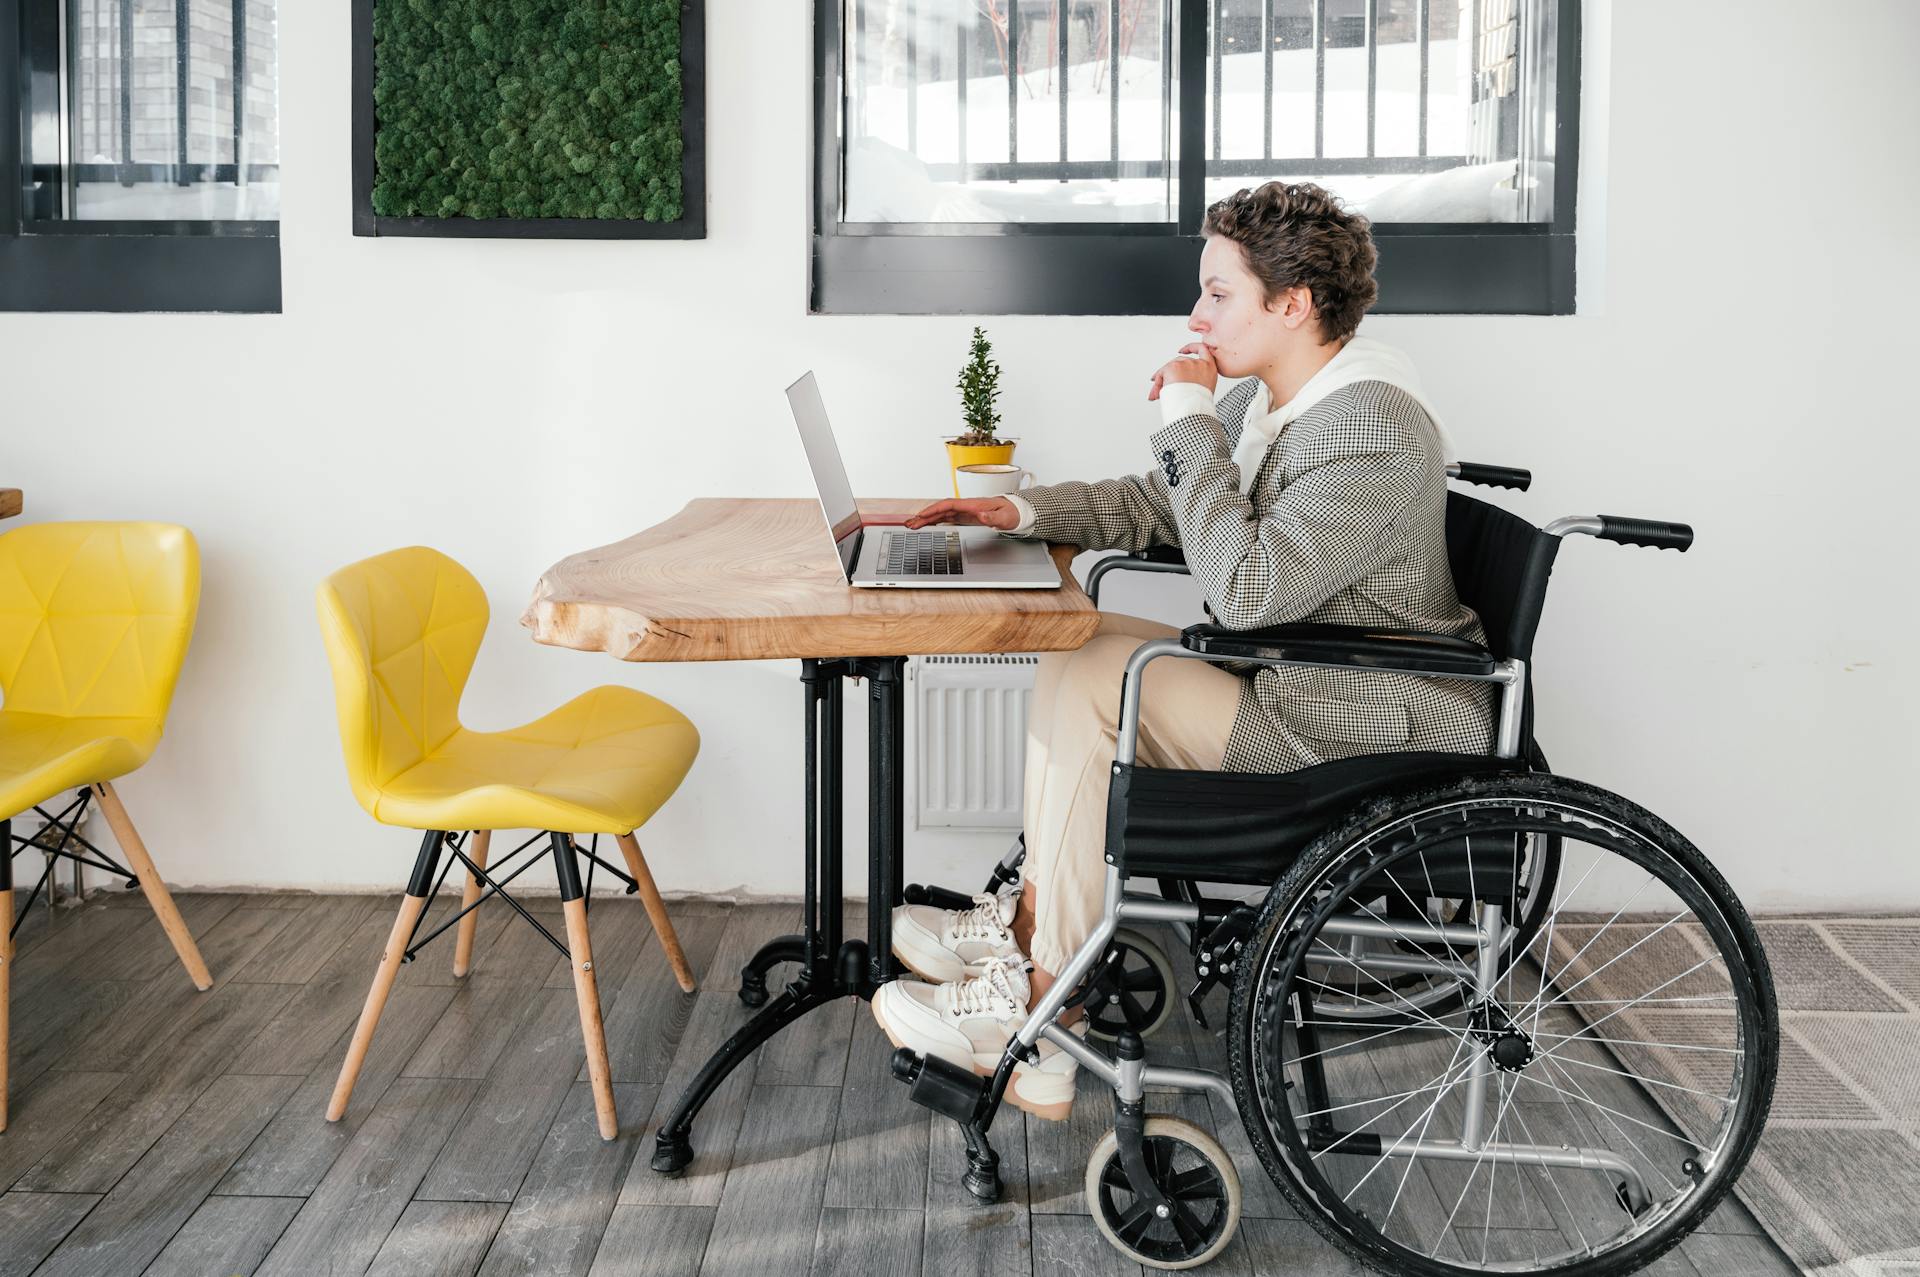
{"x": 527, "y": 108}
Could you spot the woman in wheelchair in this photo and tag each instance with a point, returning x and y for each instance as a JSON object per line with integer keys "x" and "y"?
{"x": 1446, "y": 938}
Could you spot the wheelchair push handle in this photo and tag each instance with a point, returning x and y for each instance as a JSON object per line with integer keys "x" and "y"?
{"x": 1491, "y": 476}
{"x": 1656, "y": 533}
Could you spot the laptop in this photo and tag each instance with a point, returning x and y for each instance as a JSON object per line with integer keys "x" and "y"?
{"x": 880, "y": 555}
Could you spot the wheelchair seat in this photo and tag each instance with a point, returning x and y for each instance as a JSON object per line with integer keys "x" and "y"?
{"x": 1247, "y": 827}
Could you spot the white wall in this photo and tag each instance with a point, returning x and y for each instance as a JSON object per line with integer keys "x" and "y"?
{"x": 1740, "y": 363}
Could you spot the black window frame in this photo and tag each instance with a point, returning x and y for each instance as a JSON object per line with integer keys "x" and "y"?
{"x": 1147, "y": 268}
{"x": 112, "y": 266}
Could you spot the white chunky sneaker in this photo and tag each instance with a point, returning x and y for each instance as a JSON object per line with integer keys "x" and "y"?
{"x": 945, "y": 945}
{"x": 969, "y": 1024}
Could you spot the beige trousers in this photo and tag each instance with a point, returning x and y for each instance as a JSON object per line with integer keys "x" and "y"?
{"x": 1187, "y": 708}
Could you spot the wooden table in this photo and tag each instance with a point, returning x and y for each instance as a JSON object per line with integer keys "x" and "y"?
{"x": 754, "y": 579}
{"x": 10, "y": 502}
{"x": 733, "y": 580}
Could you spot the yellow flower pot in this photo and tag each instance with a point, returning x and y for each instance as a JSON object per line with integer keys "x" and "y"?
{"x": 964, "y": 454}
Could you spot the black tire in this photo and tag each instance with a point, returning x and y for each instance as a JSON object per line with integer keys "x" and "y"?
{"x": 1293, "y": 1124}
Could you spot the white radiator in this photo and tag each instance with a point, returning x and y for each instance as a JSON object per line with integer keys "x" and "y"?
{"x": 969, "y": 738}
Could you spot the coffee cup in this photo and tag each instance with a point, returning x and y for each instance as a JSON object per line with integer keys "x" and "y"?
{"x": 991, "y": 480}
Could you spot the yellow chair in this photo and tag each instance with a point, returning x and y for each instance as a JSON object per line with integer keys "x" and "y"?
{"x": 94, "y": 623}
{"x": 402, "y": 630}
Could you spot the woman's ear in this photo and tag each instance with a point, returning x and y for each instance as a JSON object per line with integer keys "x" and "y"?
{"x": 1296, "y": 306}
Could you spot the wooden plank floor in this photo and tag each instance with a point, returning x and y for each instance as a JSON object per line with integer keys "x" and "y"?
{"x": 160, "y": 1130}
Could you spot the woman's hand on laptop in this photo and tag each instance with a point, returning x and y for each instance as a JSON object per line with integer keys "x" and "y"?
{"x": 1194, "y": 363}
{"x": 986, "y": 512}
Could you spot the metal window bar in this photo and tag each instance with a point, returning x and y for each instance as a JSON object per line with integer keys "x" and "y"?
{"x": 1013, "y": 81}
{"x": 183, "y": 57}
{"x": 1266, "y": 68}
{"x": 1319, "y": 78}
{"x": 239, "y": 91}
{"x": 1213, "y": 38}
{"x": 913, "y": 82}
{"x": 1373, "y": 68}
{"x": 126, "y": 86}
{"x": 1063, "y": 21}
{"x": 963, "y": 34}
{"x": 1423, "y": 20}
{"x": 1113, "y": 78}
{"x": 860, "y": 69}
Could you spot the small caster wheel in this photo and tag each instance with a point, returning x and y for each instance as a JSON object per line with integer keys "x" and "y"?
{"x": 1191, "y": 1170}
{"x": 1135, "y": 993}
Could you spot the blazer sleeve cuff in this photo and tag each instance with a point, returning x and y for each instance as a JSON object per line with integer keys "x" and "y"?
{"x": 1025, "y": 509}
{"x": 1184, "y": 399}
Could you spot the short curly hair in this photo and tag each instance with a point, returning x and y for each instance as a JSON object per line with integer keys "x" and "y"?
{"x": 1296, "y": 234}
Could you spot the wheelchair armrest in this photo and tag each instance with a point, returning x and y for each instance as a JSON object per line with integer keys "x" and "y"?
{"x": 1170, "y": 554}
{"x": 1155, "y": 558}
{"x": 1356, "y": 646}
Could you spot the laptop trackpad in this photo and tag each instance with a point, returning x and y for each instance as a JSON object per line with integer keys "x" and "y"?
{"x": 993, "y": 550}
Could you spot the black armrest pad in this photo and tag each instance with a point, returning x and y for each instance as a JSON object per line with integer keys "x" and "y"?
{"x": 1162, "y": 554}
{"x": 1354, "y": 645}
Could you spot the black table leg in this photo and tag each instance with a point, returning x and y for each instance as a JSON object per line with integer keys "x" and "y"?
{"x": 830, "y": 968}
{"x": 886, "y": 810}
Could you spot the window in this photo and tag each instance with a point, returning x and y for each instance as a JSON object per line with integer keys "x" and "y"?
{"x": 1057, "y": 156}
{"x": 146, "y": 142}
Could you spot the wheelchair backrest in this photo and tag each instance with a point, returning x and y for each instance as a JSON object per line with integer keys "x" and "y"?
{"x": 1500, "y": 568}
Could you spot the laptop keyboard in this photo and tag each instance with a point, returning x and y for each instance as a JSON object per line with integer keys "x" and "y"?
{"x": 925, "y": 553}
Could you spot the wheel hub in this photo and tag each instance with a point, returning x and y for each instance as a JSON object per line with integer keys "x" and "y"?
{"x": 1509, "y": 1047}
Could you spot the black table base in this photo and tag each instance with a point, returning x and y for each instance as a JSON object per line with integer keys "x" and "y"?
{"x": 831, "y": 966}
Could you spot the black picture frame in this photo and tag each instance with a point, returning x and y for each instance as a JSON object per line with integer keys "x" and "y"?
{"x": 692, "y": 223}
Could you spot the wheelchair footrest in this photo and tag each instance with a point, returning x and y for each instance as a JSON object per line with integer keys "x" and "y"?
{"x": 947, "y": 1089}
{"x": 938, "y": 897}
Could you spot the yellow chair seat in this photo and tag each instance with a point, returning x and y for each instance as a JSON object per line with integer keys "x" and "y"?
{"x": 42, "y": 754}
{"x": 600, "y": 764}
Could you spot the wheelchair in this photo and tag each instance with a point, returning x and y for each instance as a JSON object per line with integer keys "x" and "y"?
{"x": 1481, "y": 1017}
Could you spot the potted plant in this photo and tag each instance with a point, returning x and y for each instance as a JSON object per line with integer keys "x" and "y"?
{"x": 979, "y": 386}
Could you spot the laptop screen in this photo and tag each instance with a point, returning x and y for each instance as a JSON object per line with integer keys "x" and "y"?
{"x": 829, "y": 473}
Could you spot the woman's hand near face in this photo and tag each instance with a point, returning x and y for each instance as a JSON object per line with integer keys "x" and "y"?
{"x": 986, "y": 512}
{"x": 1201, "y": 371}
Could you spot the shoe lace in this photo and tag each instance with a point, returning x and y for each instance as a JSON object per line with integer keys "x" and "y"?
{"x": 982, "y": 921}
{"x": 988, "y": 993}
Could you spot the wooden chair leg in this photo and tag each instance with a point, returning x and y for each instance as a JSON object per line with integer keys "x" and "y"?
{"x": 463, "y": 938}
{"x": 411, "y": 907}
{"x": 586, "y": 990}
{"x": 657, "y": 911}
{"x": 150, "y": 883}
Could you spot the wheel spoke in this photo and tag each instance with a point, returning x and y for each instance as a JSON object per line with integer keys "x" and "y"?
{"x": 1644, "y": 1081}
{"x": 1139, "y": 981}
{"x": 1189, "y": 1229}
{"x": 1134, "y": 1224}
{"x": 1136, "y": 1014}
{"x": 1198, "y": 1184}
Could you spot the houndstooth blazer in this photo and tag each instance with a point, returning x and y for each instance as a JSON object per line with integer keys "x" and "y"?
{"x": 1345, "y": 524}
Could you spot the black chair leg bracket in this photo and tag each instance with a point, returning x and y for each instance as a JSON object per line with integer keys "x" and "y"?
{"x": 69, "y": 845}
{"x": 831, "y": 965}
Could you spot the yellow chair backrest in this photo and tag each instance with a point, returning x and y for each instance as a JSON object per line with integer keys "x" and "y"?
{"x": 95, "y": 617}
{"x": 402, "y": 630}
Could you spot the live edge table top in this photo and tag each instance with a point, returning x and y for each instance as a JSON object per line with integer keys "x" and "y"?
{"x": 733, "y": 579}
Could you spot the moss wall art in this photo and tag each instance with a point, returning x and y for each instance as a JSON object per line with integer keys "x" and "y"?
{"x": 528, "y": 109}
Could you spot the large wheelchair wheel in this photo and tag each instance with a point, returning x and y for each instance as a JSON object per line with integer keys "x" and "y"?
{"x": 1534, "y": 870}
{"x": 1593, "y": 1099}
